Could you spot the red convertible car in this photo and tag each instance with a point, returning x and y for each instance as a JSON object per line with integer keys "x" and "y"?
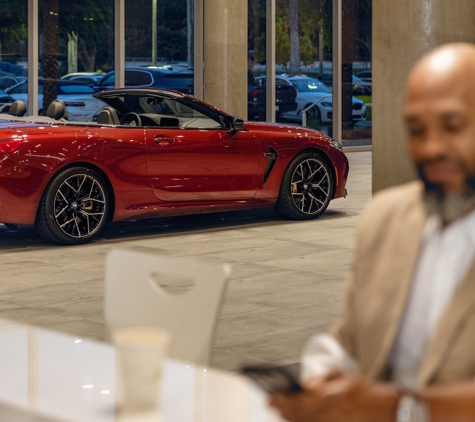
{"x": 155, "y": 153}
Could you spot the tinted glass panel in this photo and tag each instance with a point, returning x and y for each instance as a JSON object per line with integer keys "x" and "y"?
{"x": 357, "y": 93}
{"x": 167, "y": 48}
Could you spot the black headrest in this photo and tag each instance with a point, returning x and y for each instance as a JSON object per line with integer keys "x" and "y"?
{"x": 18, "y": 108}
{"x": 57, "y": 110}
{"x": 108, "y": 116}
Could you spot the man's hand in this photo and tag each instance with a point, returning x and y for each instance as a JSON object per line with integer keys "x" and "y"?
{"x": 339, "y": 398}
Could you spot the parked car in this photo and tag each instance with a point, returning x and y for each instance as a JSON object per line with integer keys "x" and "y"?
{"x": 311, "y": 90}
{"x": 87, "y": 78}
{"x": 360, "y": 87}
{"x": 5, "y": 101}
{"x": 73, "y": 75}
{"x": 156, "y": 153}
{"x": 365, "y": 75}
{"x": 153, "y": 77}
{"x": 8, "y": 81}
{"x": 80, "y": 103}
{"x": 256, "y": 106}
{"x": 12, "y": 69}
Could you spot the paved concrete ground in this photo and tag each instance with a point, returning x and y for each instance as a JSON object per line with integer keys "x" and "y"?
{"x": 286, "y": 284}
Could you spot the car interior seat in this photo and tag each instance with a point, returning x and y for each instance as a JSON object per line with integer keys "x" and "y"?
{"x": 18, "y": 108}
{"x": 57, "y": 110}
{"x": 108, "y": 116}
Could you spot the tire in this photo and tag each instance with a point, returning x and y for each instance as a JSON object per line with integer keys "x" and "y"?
{"x": 74, "y": 208}
{"x": 306, "y": 189}
{"x": 314, "y": 114}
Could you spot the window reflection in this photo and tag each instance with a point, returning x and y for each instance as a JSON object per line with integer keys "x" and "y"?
{"x": 356, "y": 72}
{"x": 13, "y": 47}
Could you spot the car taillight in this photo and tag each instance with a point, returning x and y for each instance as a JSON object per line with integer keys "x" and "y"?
{"x": 74, "y": 104}
{"x": 255, "y": 93}
{"x": 7, "y": 146}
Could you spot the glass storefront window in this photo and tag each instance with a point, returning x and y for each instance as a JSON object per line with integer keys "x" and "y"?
{"x": 303, "y": 61}
{"x": 173, "y": 67}
{"x": 356, "y": 73}
{"x": 13, "y": 48}
{"x": 256, "y": 72}
{"x": 76, "y": 42}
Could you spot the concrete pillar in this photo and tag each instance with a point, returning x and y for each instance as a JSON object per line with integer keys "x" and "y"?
{"x": 225, "y": 55}
{"x": 403, "y": 31}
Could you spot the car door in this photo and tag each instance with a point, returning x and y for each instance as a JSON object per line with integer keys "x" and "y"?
{"x": 193, "y": 164}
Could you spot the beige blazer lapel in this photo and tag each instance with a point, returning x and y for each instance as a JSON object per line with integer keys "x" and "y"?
{"x": 448, "y": 328}
{"x": 408, "y": 237}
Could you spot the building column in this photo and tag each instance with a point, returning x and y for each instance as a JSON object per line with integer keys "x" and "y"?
{"x": 225, "y": 55}
{"x": 403, "y": 31}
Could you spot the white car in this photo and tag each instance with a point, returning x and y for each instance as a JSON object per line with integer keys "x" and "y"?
{"x": 78, "y": 99}
{"x": 309, "y": 91}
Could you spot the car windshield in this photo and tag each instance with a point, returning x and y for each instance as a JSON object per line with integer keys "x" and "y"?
{"x": 168, "y": 112}
{"x": 310, "y": 85}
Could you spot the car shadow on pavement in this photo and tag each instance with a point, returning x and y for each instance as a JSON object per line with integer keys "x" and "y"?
{"x": 26, "y": 237}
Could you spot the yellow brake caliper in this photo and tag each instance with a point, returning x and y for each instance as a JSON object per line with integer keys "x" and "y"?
{"x": 87, "y": 206}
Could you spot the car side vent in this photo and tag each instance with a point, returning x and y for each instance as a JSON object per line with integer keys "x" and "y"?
{"x": 272, "y": 157}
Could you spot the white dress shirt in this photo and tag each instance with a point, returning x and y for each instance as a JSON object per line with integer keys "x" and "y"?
{"x": 445, "y": 258}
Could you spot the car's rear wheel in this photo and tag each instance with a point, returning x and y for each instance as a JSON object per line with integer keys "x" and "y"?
{"x": 74, "y": 208}
{"x": 306, "y": 189}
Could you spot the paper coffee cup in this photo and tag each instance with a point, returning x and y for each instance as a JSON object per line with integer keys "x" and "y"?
{"x": 139, "y": 355}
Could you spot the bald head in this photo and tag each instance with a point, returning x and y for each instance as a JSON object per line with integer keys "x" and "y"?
{"x": 440, "y": 120}
{"x": 446, "y": 72}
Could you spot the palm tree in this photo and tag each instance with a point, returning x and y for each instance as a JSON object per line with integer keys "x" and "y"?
{"x": 294, "y": 37}
{"x": 51, "y": 47}
{"x": 348, "y": 23}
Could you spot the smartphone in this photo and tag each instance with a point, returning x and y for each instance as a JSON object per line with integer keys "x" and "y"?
{"x": 273, "y": 379}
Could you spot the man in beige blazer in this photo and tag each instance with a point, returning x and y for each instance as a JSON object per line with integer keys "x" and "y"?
{"x": 405, "y": 347}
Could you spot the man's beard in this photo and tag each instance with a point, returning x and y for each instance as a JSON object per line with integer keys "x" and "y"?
{"x": 448, "y": 206}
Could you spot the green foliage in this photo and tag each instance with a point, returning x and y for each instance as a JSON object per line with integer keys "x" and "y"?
{"x": 308, "y": 32}
{"x": 93, "y": 22}
{"x": 365, "y": 98}
{"x": 13, "y": 28}
{"x": 256, "y": 31}
{"x": 171, "y": 30}
{"x": 282, "y": 40}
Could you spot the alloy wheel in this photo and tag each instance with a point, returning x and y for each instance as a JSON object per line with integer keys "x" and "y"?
{"x": 80, "y": 206}
{"x": 310, "y": 186}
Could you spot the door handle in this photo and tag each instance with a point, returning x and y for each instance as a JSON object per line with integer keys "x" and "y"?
{"x": 163, "y": 140}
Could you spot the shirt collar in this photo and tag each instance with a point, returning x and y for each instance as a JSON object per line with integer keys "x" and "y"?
{"x": 465, "y": 225}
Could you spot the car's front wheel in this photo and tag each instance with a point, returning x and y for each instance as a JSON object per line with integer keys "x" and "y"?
{"x": 306, "y": 189}
{"x": 314, "y": 115}
{"x": 75, "y": 207}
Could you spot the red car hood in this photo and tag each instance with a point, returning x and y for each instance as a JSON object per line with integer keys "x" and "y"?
{"x": 281, "y": 127}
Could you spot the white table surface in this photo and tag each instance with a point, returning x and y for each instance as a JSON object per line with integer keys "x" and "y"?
{"x": 65, "y": 378}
